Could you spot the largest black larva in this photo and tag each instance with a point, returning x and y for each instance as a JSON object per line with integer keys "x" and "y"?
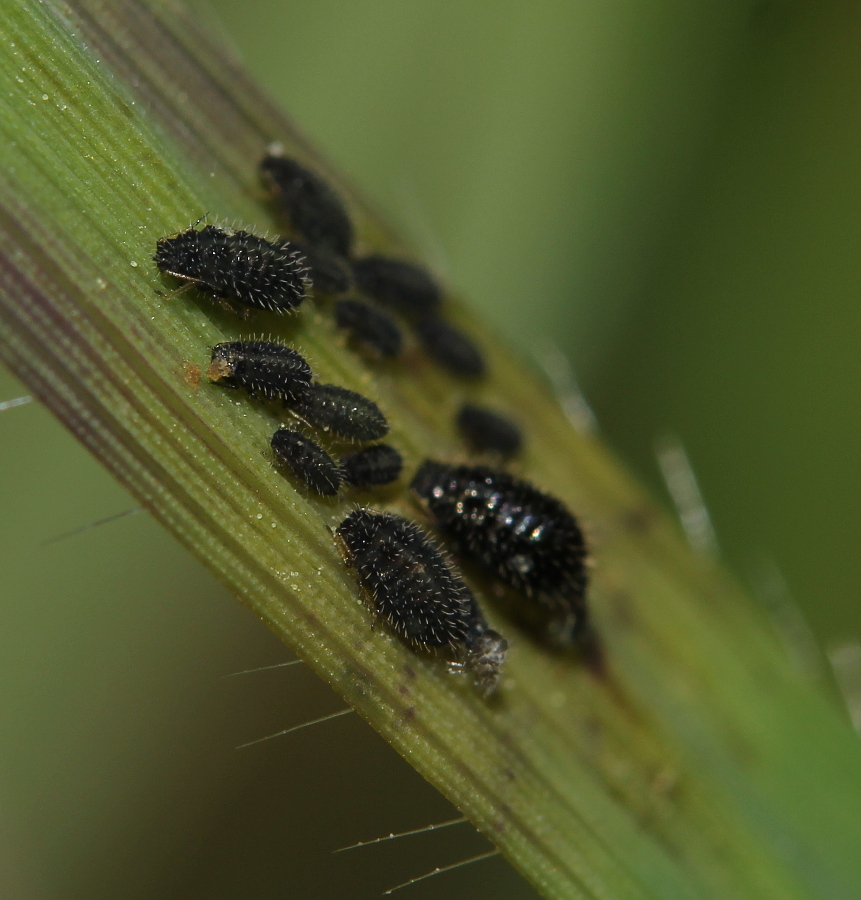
{"x": 526, "y": 538}
{"x": 420, "y": 595}
{"x": 237, "y": 266}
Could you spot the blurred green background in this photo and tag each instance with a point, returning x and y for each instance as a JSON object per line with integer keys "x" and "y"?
{"x": 669, "y": 194}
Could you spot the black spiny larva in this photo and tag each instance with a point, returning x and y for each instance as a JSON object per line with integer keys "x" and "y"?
{"x": 343, "y": 413}
{"x": 328, "y": 273}
{"x": 397, "y": 283}
{"x": 308, "y": 461}
{"x": 377, "y": 464}
{"x": 235, "y": 265}
{"x": 418, "y": 592}
{"x": 526, "y": 538}
{"x": 309, "y": 202}
{"x": 263, "y": 368}
{"x": 371, "y": 327}
{"x": 483, "y": 429}
{"x": 450, "y": 347}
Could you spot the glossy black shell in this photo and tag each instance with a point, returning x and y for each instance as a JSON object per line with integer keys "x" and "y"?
{"x": 526, "y": 538}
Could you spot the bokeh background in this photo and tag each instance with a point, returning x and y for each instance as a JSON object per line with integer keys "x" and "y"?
{"x": 666, "y": 193}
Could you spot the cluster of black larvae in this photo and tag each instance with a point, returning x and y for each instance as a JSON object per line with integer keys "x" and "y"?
{"x": 522, "y": 536}
{"x": 525, "y": 539}
{"x": 272, "y": 371}
{"x": 393, "y": 292}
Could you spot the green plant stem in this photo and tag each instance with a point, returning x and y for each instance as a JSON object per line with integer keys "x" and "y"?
{"x": 696, "y": 764}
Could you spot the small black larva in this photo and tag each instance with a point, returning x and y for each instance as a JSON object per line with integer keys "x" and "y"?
{"x": 377, "y": 464}
{"x": 450, "y": 347}
{"x": 486, "y": 430}
{"x": 308, "y": 461}
{"x": 309, "y": 202}
{"x": 328, "y": 273}
{"x": 399, "y": 284}
{"x": 342, "y": 412}
{"x": 417, "y": 591}
{"x": 371, "y": 327}
{"x": 526, "y": 538}
{"x": 235, "y": 265}
{"x": 262, "y": 368}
